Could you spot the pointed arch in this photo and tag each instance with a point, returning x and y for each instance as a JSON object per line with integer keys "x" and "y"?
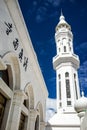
{"x": 30, "y": 93}
{"x": 40, "y": 109}
{"x": 12, "y": 63}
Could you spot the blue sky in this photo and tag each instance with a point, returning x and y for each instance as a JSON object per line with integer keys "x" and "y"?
{"x": 41, "y": 17}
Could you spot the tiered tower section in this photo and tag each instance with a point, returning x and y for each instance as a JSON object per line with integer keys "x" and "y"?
{"x": 66, "y": 64}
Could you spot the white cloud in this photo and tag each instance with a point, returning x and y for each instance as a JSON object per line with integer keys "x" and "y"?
{"x": 50, "y": 108}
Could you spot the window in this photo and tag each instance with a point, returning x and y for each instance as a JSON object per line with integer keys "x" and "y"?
{"x": 68, "y": 103}
{"x": 7, "y": 76}
{"x": 64, "y": 48}
{"x": 75, "y": 86}
{"x": 69, "y": 40}
{"x": 68, "y": 89}
{"x": 66, "y": 74}
{"x": 59, "y": 90}
{"x": 75, "y": 76}
{"x": 5, "y": 95}
{"x": 60, "y": 104}
{"x": 68, "y": 93}
{"x": 59, "y": 78}
{"x": 59, "y": 49}
{"x": 4, "y": 76}
{"x": 59, "y": 40}
{"x": 70, "y": 48}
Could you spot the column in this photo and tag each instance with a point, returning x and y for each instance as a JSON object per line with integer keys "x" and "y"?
{"x": 32, "y": 120}
{"x": 14, "y": 119}
{"x": 81, "y": 116}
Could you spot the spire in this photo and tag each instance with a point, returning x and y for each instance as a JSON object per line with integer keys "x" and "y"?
{"x": 61, "y": 16}
{"x": 62, "y": 21}
{"x": 61, "y": 12}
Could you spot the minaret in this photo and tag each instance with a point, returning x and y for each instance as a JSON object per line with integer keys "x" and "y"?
{"x": 66, "y": 64}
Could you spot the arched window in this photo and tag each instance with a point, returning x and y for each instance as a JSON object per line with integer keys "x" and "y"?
{"x": 68, "y": 88}
{"x": 59, "y": 76}
{"x": 59, "y": 80}
{"x": 68, "y": 93}
{"x": 75, "y": 86}
{"x": 66, "y": 74}
{"x": 6, "y": 91}
{"x": 70, "y": 48}
{"x": 58, "y": 40}
{"x": 74, "y": 76}
{"x": 64, "y": 48}
{"x": 59, "y": 49}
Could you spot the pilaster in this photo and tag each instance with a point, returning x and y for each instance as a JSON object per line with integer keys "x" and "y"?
{"x": 33, "y": 115}
{"x": 17, "y": 102}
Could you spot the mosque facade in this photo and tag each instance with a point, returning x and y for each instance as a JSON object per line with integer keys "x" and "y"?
{"x": 23, "y": 91}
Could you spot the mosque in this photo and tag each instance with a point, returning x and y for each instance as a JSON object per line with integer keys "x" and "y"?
{"x": 23, "y": 92}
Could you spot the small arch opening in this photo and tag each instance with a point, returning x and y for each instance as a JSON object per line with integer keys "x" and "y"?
{"x": 66, "y": 74}
{"x": 64, "y": 48}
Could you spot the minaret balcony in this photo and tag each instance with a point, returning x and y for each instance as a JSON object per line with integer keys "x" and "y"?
{"x": 65, "y": 58}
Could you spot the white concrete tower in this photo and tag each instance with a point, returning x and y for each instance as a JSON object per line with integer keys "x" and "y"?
{"x": 66, "y": 64}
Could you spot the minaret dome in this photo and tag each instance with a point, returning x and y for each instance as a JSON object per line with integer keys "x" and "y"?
{"x": 62, "y": 23}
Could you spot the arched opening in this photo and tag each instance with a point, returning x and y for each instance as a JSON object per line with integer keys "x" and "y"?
{"x": 60, "y": 97}
{"x": 41, "y": 116}
{"x": 68, "y": 92}
{"x": 75, "y": 86}
{"x": 64, "y": 48}
{"x": 10, "y": 80}
{"x": 39, "y": 108}
{"x": 30, "y": 93}
{"x": 13, "y": 68}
